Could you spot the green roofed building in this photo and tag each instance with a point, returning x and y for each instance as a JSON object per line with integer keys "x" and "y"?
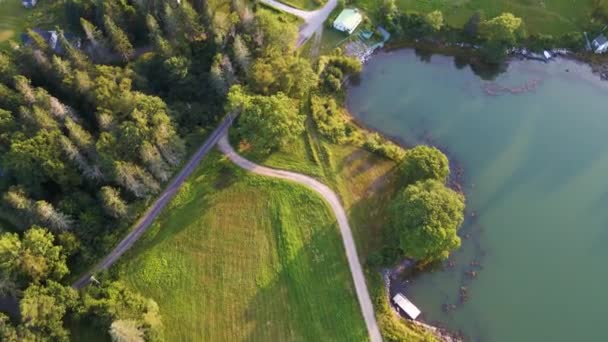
{"x": 348, "y": 20}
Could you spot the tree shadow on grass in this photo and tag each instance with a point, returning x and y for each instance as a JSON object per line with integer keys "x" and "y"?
{"x": 311, "y": 297}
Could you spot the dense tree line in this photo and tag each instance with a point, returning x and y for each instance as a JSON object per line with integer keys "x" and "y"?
{"x": 88, "y": 136}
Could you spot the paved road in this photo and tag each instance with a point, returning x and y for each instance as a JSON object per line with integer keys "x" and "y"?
{"x": 146, "y": 220}
{"x": 313, "y": 20}
{"x": 347, "y": 236}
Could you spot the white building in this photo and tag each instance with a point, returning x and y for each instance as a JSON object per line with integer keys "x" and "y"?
{"x": 348, "y": 20}
{"x": 600, "y": 44}
{"x": 29, "y": 3}
{"x": 408, "y": 307}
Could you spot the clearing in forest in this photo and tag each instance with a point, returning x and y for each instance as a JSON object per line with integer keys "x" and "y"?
{"x": 242, "y": 257}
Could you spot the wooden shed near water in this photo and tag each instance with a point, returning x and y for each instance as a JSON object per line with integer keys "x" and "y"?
{"x": 406, "y": 306}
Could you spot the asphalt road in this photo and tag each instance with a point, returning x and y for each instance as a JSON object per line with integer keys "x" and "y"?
{"x": 163, "y": 199}
{"x": 347, "y": 236}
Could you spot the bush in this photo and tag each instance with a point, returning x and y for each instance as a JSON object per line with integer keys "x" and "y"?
{"x": 425, "y": 162}
{"x": 329, "y": 119}
{"x": 376, "y": 144}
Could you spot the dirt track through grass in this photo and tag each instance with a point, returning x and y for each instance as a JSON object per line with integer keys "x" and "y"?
{"x": 241, "y": 257}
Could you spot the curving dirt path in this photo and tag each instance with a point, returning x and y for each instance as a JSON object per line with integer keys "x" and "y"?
{"x": 347, "y": 236}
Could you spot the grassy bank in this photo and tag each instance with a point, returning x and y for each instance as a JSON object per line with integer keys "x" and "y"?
{"x": 308, "y": 5}
{"x": 240, "y": 257}
{"x": 366, "y": 183}
{"x": 15, "y": 19}
{"x": 547, "y": 17}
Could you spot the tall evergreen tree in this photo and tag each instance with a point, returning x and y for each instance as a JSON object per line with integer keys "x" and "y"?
{"x": 118, "y": 38}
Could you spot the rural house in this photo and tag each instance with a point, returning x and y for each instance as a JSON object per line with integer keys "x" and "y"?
{"x": 600, "y": 44}
{"x": 52, "y": 39}
{"x": 348, "y": 20}
{"x": 29, "y": 3}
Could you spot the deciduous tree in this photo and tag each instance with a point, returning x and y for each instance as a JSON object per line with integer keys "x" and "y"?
{"x": 425, "y": 162}
{"x": 425, "y": 217}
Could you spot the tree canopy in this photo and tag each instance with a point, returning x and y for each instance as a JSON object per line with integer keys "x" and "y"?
{"x": 267, "y": 122}
{"x": 425, "y": 217}
{"x": 425, "y": 162}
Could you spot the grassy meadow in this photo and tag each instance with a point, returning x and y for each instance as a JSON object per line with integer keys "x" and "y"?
{"x": 241, "y": 257}
{"x": 304, "y": 4}
{"x": 15, "y": 19}
{"x": 365, "y": 183}
{"x": 547, "y": 17}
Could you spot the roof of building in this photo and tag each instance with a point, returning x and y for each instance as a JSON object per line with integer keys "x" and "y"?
{"x": 349, "y": 18}
{"x": 407, "y": 306}
{"x": 29, "y": 3}
{"x": 51, "y": 38}
{"x": 600, "y": 40}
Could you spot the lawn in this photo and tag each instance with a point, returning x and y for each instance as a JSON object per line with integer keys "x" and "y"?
{"x": 548, "y": 17}
{"x": 15, "y": 19}
{"x": 304, "y": 4}
{"x": 365, "y": 183}
{"x": 242, "y": 257}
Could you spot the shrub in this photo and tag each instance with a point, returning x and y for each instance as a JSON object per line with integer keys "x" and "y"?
{"x": 329, "y": 119}
{"x": 375, "y": 143}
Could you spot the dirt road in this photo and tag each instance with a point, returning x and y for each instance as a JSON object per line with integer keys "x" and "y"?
{"x": 163, "y": 199}
{"x": 347, "y": 236}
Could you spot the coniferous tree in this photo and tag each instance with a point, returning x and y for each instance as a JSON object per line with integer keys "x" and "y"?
{"x": 118, "y": 38}
{"x": 112, "y": 203}
{"x": 241, "y": 53}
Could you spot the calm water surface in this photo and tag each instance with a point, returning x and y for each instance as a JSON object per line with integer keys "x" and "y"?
{"x": 536, "y": 166}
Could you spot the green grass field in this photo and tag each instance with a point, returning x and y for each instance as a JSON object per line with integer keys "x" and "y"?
{"x": 241, "y": 257}
{"x": 548, "y": 17}
{"x": 304, "y": 4}
{"x": 366, "y": 183}
{"x": 15, "y": 19}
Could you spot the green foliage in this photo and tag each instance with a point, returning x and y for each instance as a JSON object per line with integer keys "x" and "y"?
{"x": 34, "y": 258}
{"x": 434, "y": 20}
{"x": 43, "y": 309}
{"x": 113, "y": 301}
{"x": 290, "y": 75}
{"x": 503, "y": 29}
{"x": 114, "y": 205}
{"x": 425, "y": 217}
{"x": 118, "y": 38}
{"x": 329, "y": 118}
{"x": 425, "y": 162}
{"x": 334, "y": 68}
{"x": 377, "y": 144}
{"x": 267, "y": 122}
{"x": 293, "y": 267}
{"x": 277, "y": 37}
{"x": 393, "y": 327}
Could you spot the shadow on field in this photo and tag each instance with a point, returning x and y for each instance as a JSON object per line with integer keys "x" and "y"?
{"x": 311, "y": 297}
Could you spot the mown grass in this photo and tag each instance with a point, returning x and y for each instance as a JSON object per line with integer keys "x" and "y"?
{"x": 304, "y": 4}
{"x": 242, "y": 257}
{"x": 15, "y": 19}
{"x": 548, "y": 17}
{"x": 366, "y": 183}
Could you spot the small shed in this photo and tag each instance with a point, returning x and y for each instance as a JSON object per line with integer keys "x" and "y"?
{"x": 600, "y": 44}
{"x": 348, "y": 20}
{"x": 29, "y": 3}
{"x": 408, "y": 307}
